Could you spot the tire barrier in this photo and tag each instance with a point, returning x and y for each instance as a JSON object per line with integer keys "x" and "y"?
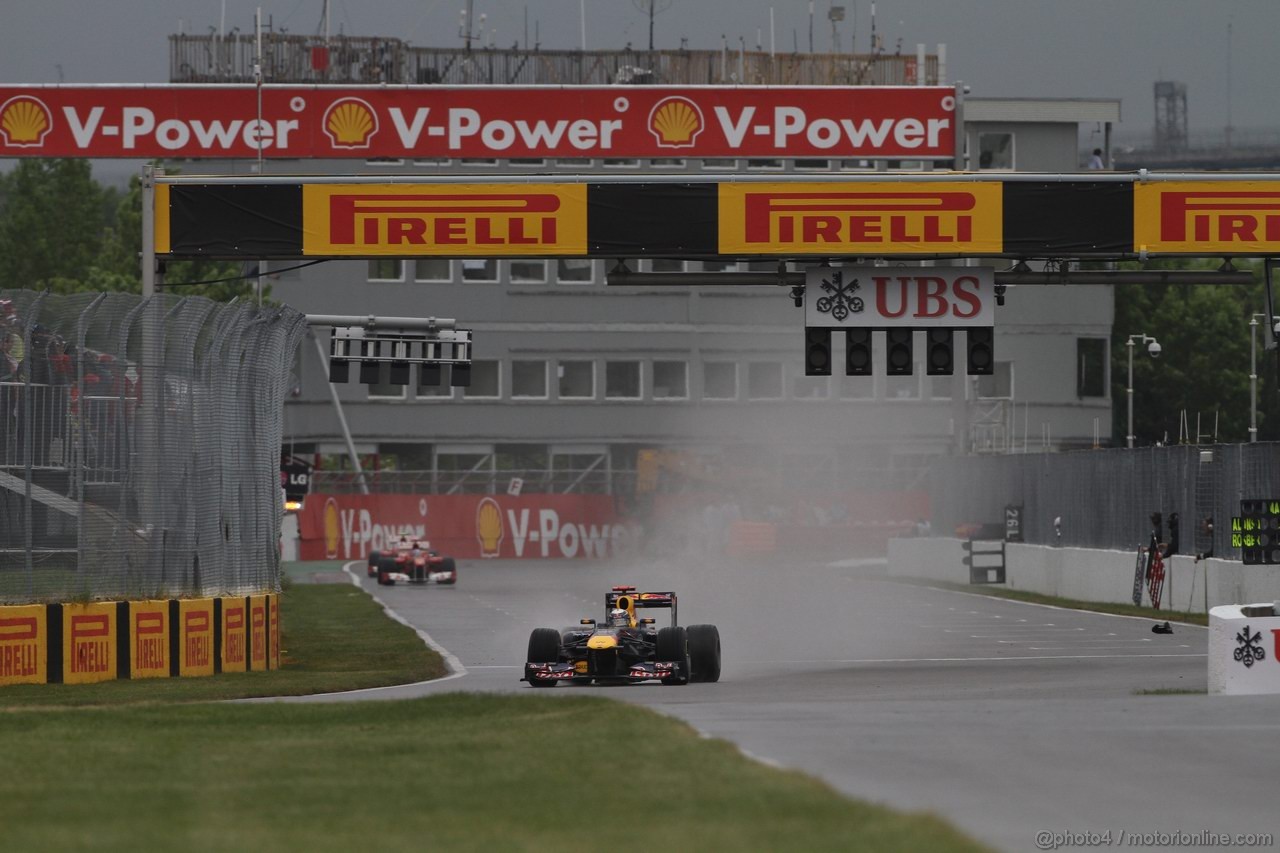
{"x": 165, "y": 638}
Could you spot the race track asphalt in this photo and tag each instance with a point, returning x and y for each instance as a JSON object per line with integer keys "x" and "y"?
{"x": 1008, "y": 719}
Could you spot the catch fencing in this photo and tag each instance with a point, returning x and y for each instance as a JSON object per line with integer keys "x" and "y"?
{"x": 1104, "y": 498}
{"x": 140, "y": 445}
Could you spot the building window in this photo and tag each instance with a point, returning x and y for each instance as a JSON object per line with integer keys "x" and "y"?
{"x": 440, "y": 391}
{"x": 484, "y": 380}
{"x": 666, "y": 265}
{"x": 622, "y": 380}
{"x": 857, "y": 165}
{"x": 477, "y": 161}
{"x": 529, "y": 379}
{"x": 384, "y": 161}
{"x": 1091, "y": 367}
{"x": 577, "y": 380}
{"x": 764, "y": 164}
{"x": 574, "y": 270}
{"x": 479, "y": 269}
{"x": 526, "y": 161}
{"x": 528, "y": 272}
{"x": 670, "y": 380}
{"x": 431, "y": 269}
{"x": 719, "y": 164}
{"x": 720, "y": 380}
{"x": 383, "y": 389}
{"x": 764, "y": 380}
{"x": 719, "y": 266}
{"x": 667, "y": 163}
{"x": 999, "y": 385}
{"x": 995, "y": 150}
{"x": 813, "y": 164}
{"x": 620, "y": 164}
{"x": 857, "y": 387}
{"x": 810, "y": 387}
{"x": 386, "y": 269}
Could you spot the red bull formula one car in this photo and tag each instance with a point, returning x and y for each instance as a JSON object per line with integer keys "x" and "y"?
{"x": 413, "y": 562}
{"x": 625, "y": 649}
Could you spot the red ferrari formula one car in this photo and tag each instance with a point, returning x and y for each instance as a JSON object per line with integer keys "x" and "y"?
{"x": 413, "y": 562}
{"x": 624, "y": 649}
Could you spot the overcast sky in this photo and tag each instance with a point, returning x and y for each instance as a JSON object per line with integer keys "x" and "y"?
{"x": 1023, "y": 48}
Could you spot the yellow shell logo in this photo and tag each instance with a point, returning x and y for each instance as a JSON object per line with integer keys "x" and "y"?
{"x": 489, "y": 530}
{"x": 350, "y": 123}
{"x": 24, "y": 122}
{"x": 675, "y": 122}
{"x": 332, "y": 529}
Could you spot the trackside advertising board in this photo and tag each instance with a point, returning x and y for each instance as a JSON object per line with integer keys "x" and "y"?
{"x": 428, "y": 122}
{"x": 196, "y": 637}
{"x": 24, "y": 650}
{"x": 348, "y": 527}
{"x": 149, "y": 639}
{"x": 89, "y": 643}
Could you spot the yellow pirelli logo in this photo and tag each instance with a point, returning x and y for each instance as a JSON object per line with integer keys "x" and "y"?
{"x": 1200, "y": 217}
{"x": 406, "y": 220}
{"x": 881, "y": 218}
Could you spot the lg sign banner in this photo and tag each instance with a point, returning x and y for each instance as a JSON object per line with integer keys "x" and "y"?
{"x": 887, "y": 297}
{"x": 915, "y": 122}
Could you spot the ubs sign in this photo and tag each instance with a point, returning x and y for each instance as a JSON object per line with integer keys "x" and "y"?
{"x": 892, "y": 297}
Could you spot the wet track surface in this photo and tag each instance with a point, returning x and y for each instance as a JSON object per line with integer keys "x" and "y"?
{"x": 1006, "y": 718}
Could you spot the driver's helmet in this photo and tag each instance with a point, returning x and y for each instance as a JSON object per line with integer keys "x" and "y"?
{"x": 618, "y": 618}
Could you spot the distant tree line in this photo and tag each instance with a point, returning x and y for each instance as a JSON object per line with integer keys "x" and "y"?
{"x": 60, "y": 230}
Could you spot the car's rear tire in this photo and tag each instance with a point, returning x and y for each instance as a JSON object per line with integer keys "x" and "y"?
{"x": 386, "y": 565}
{"x": 544, "y": 647}
{"x": 374, "y": 558}
{"x": 449, "y": 565}
{"x": 704, "y": 653}
{"x": 673, "y": 646}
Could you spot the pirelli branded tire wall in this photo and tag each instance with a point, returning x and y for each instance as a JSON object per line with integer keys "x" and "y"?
{"x": 922, "y": 215}
{"x": 104, "y": 641}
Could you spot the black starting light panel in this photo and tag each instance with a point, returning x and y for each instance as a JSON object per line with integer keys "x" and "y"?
{"x": 857, "y": 352}
{"x": 899, "y": 352}
{"x": 981, "y": 351}
{"x": 938, "y": 353}
{"x": 817, "y": 352}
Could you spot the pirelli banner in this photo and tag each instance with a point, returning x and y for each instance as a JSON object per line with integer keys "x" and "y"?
{"x": 908, "y": 216}
{"x": 104, "y": 641}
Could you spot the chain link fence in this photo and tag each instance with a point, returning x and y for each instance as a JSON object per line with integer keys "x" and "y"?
{"x": 140, "y": 445}
{"x": 1105, "y": 498}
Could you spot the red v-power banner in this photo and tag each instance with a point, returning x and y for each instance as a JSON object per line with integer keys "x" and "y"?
{"x": 434, "y": 122}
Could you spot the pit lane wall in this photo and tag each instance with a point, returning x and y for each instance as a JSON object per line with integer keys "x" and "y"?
{"x": 164, "y": 638}
{"x": 1091, "y": 574}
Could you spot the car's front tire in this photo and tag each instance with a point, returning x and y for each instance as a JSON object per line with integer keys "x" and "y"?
{"x": 544, "y": 647}
{"x": 673, "y": 647}
{"x": 375, "y": 557}
{"x": 704, "y": 653}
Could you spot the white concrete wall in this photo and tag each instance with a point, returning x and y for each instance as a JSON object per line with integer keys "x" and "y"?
{"x": 1091, "y": 574}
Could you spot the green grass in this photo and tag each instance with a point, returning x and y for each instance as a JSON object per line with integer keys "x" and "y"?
{"x": 451, "y": 772}
{"x": 1071, "y": 603}
{"x": 333, "y": 637}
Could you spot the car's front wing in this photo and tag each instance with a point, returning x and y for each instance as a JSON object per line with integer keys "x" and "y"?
{"x": 642, "y": 671}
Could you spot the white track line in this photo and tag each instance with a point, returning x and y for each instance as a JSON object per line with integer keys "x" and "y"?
{"x": 456, "y": 669}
